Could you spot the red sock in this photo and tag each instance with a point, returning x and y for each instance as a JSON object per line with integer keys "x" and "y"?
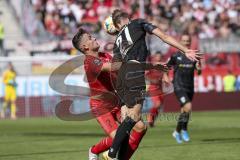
{"x": 154, "y": 111}
{"x": 102, "y": 146}
{"x": 134, "y": 141}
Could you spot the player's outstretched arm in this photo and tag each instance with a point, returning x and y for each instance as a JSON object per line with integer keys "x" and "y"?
{"x": 4, "y": 77}
{"x": 108, "y": 67}
{"x": 166, "y": 79}
{"x": 191, "y": 54}
{"x": 198, "y": 67}
{"x": 157, "y": 66}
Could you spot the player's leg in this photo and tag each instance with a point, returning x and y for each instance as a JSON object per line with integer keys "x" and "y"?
{"x": 13, "y": 105}
{"x": 130, "y": 87}
{"x": 154, "y": 111}
{"x": 136, "y": 136}
{"x": 109, "y": 125}
{"x": 132, "y": 117}
{"x": 186, "y": 110}
{"x": 184, "y": 100}
{"x": 3, "y": 109}
{"x": 5, "y": 104}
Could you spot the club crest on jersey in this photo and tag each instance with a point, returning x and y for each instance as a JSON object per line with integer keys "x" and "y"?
{"x": 179, "y": 58}
{"x": 97, "y": 62}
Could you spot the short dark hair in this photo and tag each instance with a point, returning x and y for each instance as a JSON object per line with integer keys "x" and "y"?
{"x": 117, "y": 15}
{"x": 186, "y": 34}
{"x": 77, "y": 39}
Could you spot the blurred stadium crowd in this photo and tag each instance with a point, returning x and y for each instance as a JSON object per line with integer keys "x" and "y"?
{"x": 203, "y": 18}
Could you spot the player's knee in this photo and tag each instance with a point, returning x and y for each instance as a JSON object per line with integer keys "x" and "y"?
{"x": 187, "y": 107}
{"x": 157, "y": 104}
{"x": 140, "y": 127}
{"x": 136, "y": 117}
{"x": 135, "y": 113}
{"x": 112, "y": 134}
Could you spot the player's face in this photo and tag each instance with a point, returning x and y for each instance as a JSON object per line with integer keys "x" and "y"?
{"x": 89, "y": 43}
{"x": 157, "y": 58}
{"x": 123, "y": 22}
{"x": 10, "y": 66}
{"x": 186, "y": 40}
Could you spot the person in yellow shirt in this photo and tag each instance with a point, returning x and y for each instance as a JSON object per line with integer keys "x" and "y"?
{"x": 9, "y": 80}
{"x": 229, "y": 82}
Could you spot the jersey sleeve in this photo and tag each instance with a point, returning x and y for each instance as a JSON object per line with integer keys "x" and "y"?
{"x": 148, "y": 27}
{"x": 109, "y": 56}
{"x": 93, "y": 67}
{"x": 117, "y": 56}
{"x": 171, "y": 61}
{"x": 4, "y": 77}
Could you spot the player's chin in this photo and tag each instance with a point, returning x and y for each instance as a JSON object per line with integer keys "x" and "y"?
{"x": 96, "y": 44}
{"x": 96, "y": 48}
{"x": 113, "y": 33}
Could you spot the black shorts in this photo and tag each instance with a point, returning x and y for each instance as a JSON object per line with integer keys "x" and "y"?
{"x": 131, "y": 86}
{"x": 184, "y": 96}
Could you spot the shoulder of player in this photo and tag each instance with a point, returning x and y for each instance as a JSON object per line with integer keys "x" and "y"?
{"x": 175, "y": 55}
{"x": 91, "y": 60}
{"x": 105, "y": 56}
{"x": 6, "y": 72}
{"x": 138, "y": 20}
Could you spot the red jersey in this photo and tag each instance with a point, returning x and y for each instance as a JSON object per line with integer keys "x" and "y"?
{"x": 103, "y": 106}
{"x": 155, "y": 78}
{"x": 99, "y": 82}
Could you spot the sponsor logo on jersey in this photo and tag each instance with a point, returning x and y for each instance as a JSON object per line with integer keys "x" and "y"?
{"x": 185, "y": 65}
{"x": 97, "y": 62}
{"x": 179, "y": 58}
{"x": 183, "y": 99}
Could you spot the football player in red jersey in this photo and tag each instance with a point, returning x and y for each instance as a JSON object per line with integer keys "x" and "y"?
{"x": 104, "y": 103}
{"x": 155, "y": 89}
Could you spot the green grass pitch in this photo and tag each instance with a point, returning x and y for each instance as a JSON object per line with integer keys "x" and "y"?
{"x": 215, "y": 136}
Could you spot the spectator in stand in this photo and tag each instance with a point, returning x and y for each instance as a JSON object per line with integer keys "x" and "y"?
{"x": 2, "y": 51}
{"x": 229, "y": 82}
{"x": 202, "y": 19}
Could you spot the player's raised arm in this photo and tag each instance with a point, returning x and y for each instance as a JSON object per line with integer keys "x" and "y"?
{"x": 116, "y": 62}
{"x": 4, "y": 77}
{"x": 198, "y": 67}
{"x": 191, "y": 54}
{"x": 114, "y": 66}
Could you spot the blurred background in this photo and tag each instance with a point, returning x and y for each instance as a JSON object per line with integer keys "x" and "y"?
{"x": 35, "y": 37}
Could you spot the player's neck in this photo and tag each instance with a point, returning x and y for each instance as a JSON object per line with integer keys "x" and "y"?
{"x": 123, "y": 23}
{"x": 93, "y": 53}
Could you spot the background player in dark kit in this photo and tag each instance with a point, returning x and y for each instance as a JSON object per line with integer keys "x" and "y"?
{"x": 130, "y": 49}
{"x": 183, "y": 87}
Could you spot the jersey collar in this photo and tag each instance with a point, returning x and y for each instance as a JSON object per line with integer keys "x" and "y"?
{"x": 123, "y": 28}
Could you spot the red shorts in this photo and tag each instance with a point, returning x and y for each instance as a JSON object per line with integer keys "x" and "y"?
{"x": 157, "y": 99}
{"x": 108, "y": 118}
{"x": 109, "y": 121}
{"x": 155, "y": 92}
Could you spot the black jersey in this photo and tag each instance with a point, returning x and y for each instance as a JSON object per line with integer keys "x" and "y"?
{"x": 130, "y": 43}
{"x": 183, "y": 72}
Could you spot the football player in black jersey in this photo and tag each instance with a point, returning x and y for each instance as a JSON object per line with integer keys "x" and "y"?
{"x": 183, "y": 82}
{"x": 130, "y": 48}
